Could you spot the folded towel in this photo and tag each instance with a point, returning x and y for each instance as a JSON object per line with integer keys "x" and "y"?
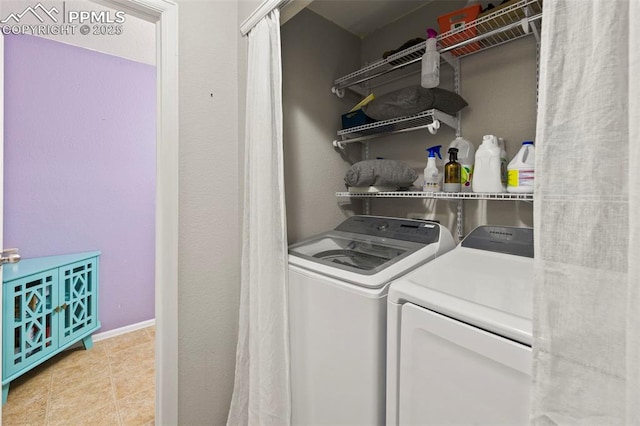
{"x": 381, "y": 173}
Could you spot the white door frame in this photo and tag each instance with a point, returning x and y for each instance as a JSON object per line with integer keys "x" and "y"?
{"x": 164, "y": 14}
{"x": 1, "y": 189}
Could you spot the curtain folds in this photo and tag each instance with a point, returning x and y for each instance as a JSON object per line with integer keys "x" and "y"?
{"x": 633, "y": 280}
{"x": 261, "y": 394}
{"x": 586, "y": 216}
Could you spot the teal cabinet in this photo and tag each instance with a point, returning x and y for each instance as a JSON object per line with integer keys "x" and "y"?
{"x": 49, "y": 303}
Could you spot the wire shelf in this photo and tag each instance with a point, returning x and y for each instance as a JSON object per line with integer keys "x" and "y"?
{"x": 493, "y": 29}
{"x": 422, "y": 120}
{"x": 439, "y": 195}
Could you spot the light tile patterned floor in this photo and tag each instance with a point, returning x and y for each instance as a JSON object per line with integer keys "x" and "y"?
{"x": 111, "y": 384}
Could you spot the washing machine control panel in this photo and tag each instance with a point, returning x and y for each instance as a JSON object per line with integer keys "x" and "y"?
{"x": 416, "y": 231}
{"x": 501, "y": 239}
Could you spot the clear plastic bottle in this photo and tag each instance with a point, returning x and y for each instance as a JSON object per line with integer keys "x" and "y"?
{"x": 431, "y": 62}
{"x": 466, "y": 158}
{"x": 521, "y": 170}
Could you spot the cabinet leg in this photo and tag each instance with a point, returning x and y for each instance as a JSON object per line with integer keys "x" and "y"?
{"x": 87, "y": 342}
{"x": 5, "y": 393}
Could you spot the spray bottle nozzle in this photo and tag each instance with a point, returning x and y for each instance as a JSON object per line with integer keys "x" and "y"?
{"x": 431, "y": 33}
{"x": 434, "y": 150}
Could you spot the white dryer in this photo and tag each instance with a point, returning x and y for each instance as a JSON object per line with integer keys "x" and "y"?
{"x": 459, "y": 334}
{"x": 338, "y": 284}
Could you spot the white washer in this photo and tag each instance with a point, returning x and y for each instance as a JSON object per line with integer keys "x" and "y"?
{"x": 338, "y": 284}
{"x": 459, "y": 334}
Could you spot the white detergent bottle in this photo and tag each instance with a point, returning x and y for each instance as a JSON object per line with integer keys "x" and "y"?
{"x": 431, "y": 173}
{"x": 466, "y": 158}
{"x": 430, "y": 62}
{"x": 503, "y": 164}
{"x": 486, "y": 172}
{"x": 521, "y": 170}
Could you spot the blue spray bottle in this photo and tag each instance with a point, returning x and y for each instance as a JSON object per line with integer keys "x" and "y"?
{"x": 431, "y": 174}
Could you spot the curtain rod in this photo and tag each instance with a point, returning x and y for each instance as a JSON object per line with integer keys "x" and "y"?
{"x": 263, "y": 10}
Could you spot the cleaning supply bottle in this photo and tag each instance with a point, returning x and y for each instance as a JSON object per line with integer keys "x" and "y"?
{"x": 521, "y": 170}
{"x": 486, "y": 172}
{"x": 503, "y": 164}
{"x": 431, "y": 174}
{"x": 431, "y": 62}
{"x": 466, "y": 158}
{"x": 452, "y": 172}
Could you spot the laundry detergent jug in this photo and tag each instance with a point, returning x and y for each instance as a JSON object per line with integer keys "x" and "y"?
{"x": 521, "y": 170}
{"x": 487, "y": 175}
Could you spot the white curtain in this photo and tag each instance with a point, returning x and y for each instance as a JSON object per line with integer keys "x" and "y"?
{"x": 261, "y": 394}
{"x": 587, "y": 215}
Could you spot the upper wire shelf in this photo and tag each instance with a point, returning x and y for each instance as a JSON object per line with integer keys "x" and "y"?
{"x": 506, "y": 24}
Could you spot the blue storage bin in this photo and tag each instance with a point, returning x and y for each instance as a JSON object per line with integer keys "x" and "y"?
{"x": 355, "y": 118}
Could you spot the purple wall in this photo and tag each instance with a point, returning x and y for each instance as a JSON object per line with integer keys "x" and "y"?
{"x": 79, "y": 164}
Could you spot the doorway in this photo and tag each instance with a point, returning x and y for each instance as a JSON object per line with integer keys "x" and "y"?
{"x": 164, "y": 14}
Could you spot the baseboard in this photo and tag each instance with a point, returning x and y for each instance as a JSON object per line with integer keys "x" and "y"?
{"x": 123, "y": 330}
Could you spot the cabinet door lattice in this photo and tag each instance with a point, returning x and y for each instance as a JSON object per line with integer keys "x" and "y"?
{"x": 31, "y": 326}
{"x": 78, "y": 299}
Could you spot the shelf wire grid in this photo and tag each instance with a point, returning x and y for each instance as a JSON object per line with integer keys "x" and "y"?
{"x": 439, "y": 195}
{"x": 420, "y": 119}
{"x": 416, "y": 121}
{"x": 493, "y": 29}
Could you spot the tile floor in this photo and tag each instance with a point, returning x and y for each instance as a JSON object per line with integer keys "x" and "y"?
{"x": 111, "y": 384}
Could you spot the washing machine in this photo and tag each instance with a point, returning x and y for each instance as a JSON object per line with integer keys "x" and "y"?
{"x": 459, "y": 334}
{"x": 338, "y": 284}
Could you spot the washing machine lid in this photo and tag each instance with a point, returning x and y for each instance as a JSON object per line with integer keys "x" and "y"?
{"x": 353, "y": 252}
{"x": 488, "y": 284}
{"x": 368, "y": 250}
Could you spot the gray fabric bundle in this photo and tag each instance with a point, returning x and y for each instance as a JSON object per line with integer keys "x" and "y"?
{"x": 413, "y": 100}
{"x": 380, "y": 173}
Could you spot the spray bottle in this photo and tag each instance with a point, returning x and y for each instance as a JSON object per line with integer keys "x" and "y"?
{"x": 431, "y": 174}
{"x": 430, "y": 62}
{"x": 452, "y": 172}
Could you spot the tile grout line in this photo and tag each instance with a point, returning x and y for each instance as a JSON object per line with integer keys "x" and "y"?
{"x": 115, "y": 355}
{"x": 49, "y": 396}
{"x": 113, "y": 383}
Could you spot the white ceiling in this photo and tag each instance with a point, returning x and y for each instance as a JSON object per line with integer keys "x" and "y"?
{"x": 362, "y": 17}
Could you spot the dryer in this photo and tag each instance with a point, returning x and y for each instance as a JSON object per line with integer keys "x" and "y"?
{"x": 459, "y": 334}
{"x": 338, "y": 283}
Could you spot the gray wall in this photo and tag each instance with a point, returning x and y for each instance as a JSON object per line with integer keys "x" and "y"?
{"x": 209, "y": 239}
{"x": 314, "y": 53}
{"x": 499, "y": 85}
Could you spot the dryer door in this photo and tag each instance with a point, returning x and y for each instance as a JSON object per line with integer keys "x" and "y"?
{"x": 453, "y": 373}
